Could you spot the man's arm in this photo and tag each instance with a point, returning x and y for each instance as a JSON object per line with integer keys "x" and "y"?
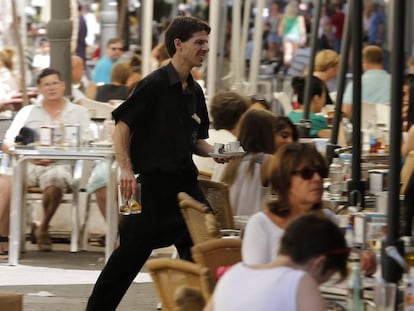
{"x": 203, "y": 148}
{"x": 17, "y": 123}
{"x": 347, "y": 110}
{"x": 121, "y": 139}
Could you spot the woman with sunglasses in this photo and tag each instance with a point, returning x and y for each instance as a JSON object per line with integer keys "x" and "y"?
{"x": 296, "y": 182}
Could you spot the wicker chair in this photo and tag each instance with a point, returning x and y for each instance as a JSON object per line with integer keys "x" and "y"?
{"x": 201, "y": 224}
{"x": 217, "y": 253}
{"x": 171, "y": 274}
{"x": 217, "y": 194}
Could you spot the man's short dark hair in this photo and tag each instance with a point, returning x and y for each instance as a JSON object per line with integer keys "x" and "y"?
{"x": 183, "y": 28}
{"x": 47, "y": 72}
{"x": 226, "y": 109}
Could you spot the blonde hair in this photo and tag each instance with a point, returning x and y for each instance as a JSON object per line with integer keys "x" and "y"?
{"x": 410, "y": 64}
{"x": 326, "y": 59}
{"x": 6, "y": 57}
{"x": 292, "y": 9}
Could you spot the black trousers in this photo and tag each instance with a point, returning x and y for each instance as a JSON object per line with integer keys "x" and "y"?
{"x": 159, "y": 225}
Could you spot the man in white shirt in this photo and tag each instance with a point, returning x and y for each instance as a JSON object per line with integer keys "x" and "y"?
{"x": 226, "y": 109}
{"x": 52, "y": 108}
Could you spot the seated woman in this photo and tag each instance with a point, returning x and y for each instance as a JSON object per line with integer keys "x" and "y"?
{"x": 296, "y": 181}
{"x": 261, "y": 132}
{"x": 312, "y": 250}
{"x": 326, "y": 69}
{"x": 319, "y": 127}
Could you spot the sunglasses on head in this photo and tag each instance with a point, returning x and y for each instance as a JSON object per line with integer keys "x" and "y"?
{"x": 307, "y": 173}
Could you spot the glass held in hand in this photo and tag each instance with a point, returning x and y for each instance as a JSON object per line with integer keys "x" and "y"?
{"x": 131, "y": 205}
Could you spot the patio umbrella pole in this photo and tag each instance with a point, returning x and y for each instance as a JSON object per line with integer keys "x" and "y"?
{"x": 356, "y": 186}
{"x": 305, "y": 124}
{"x": 345, "y": 45}
{"x": 391, "y": 270}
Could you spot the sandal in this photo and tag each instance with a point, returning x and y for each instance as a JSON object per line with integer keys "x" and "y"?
{"x": 44, "y": 241}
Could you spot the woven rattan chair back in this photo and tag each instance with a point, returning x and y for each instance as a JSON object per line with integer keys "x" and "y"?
{"x": 217, "y": 194}
{"x": 217, "y": 253}
{"x": 169, "y": 274}
{"x": 201, "y": 224}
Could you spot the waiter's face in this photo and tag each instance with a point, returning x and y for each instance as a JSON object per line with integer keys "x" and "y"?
{"x": 195, "y": 49}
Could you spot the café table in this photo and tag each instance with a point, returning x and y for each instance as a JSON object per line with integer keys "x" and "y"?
{"x": 335, "y": 293}
{"x": 19, "y": 158}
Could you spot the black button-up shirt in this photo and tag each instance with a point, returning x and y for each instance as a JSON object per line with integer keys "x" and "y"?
{"x": 165, "y": 122}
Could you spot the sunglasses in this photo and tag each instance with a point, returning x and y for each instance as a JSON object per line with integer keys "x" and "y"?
{"x": 116, "y": 49}
{"x": 307, "y": 173}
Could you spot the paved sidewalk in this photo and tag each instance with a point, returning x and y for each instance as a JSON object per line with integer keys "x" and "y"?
{"x": 73, "y": 297}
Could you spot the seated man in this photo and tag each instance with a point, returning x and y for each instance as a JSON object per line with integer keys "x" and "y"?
{"x": 117, "y": 89}
{"x": 375, "y": 81}
{"x": 53, "y": 178}
{"x": 313, "y": 248}
{"x": 226, "y": 109}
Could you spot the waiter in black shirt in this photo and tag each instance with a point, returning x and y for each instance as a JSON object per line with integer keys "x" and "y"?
{"x": 158, "y": 128}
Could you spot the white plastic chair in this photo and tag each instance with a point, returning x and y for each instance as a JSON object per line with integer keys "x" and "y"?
{"x": 97, "y": 109}
{"x": 33, "y": 195}
{"x": 284, "y": 99}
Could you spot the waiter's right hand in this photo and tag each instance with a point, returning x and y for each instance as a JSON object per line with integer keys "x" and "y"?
{"x": 127, "y": 183}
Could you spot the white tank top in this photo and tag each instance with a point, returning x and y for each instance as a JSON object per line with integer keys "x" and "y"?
{"x": 247, "y": 192}
{"x": 246, "y": 289}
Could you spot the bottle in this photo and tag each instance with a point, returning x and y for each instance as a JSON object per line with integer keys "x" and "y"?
{"x": 336, "y": 177}
{"x": 354, "y": 256}
{"x": 408, "y": 302}
{"x": 349, "y": 236}
{"x": 355, "y": 299}
{"x": 58, "y": 132}
{"x": 373, "y": 140}
{"x": 347, "y": 175}
{"x": 379, "y": 135}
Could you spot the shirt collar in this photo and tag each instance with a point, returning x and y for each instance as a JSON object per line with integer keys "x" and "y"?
{"x": 39, "y": 102}
{"x": 173, "y": 76}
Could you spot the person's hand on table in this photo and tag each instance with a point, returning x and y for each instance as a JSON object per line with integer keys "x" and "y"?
{"x": 43, "y": 162}
{"x": 127, "y": 184}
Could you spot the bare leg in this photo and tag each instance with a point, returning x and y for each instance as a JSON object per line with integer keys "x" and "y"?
{"x": 100, "y": 195}
{"x": 5, "y": 194}
{"x": 52, "y": 196}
